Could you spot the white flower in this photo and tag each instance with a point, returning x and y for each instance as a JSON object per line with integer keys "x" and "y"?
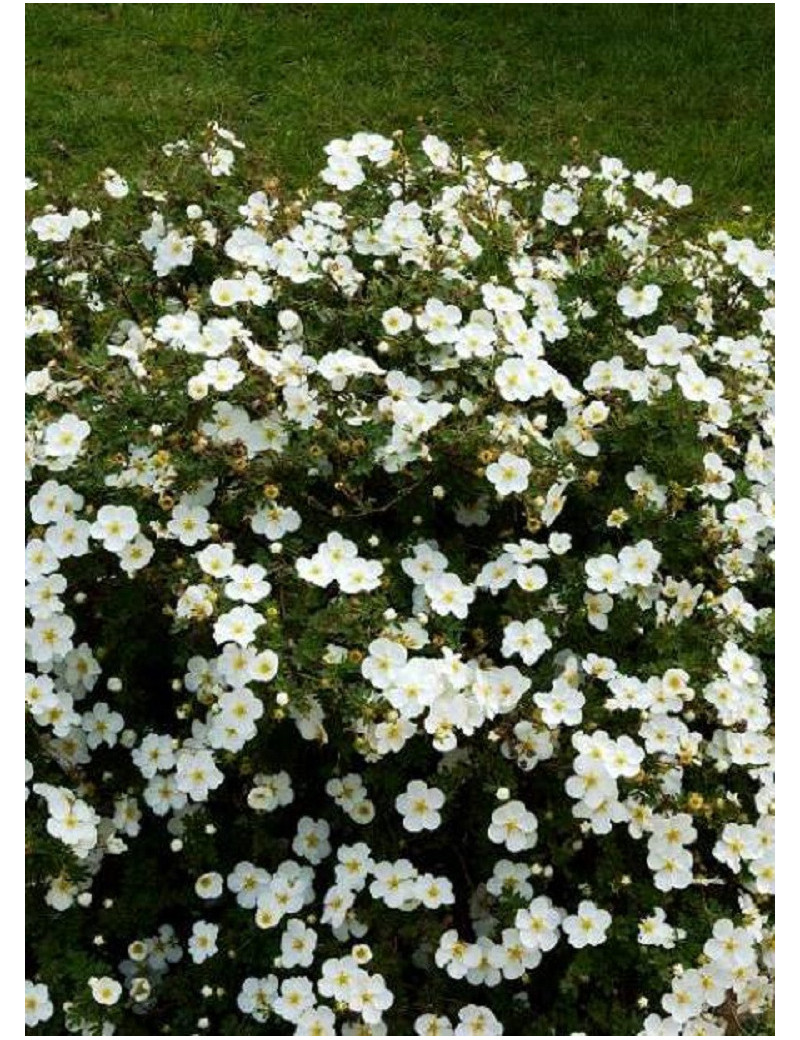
{"x": 203, "y": 941}
{"x": 343, "y": 172}
{"x": 559, "y": 206}
{"x": 49, "y": 638}
{"x": 505, "y": 173}
{"x": 155, "y": 753}
{"x": 65, "y": 437}
{"x": 684, "y": 1002}
{"x": 513, "y": 826}
{"x": 521, "y": 378}
{"x": 449, "y": 595}
{"x": 172, "y": 251}
{"x": 274, "y": 521}
{"x": 136, "y": 554}
{"x": 439, "y": 322}
{"x": 638, "y": 562}
{"x": 434, "y": 892}
{"x": 538, "y": 924}
{"x": 437, "y": 150}
{"x": 419, "y": 806}
{"x": 588, "y": 927}
{"x": 396, "y": 320}
{"x": 355, "y": 863}
{"x": 528, "y": 639}
{"x": 238, "y": 626}
{"x": 730, "y": 946}
{"x": 115, "y": 526}
{"x": 102, "y": 725}
{"x": 256, "y": 996}
{"x": 559, "y": 543}
{"x": 54, "y": 502}
{"x": 216, "y": 560}
{"x": 38, "y": 1006}
{"x": 677, "y": 195}
{"x": 247, "y": 583}
{"x": 604, "y": 574}
{"x": 477, "y": 1020}
{"x": 297, "y": 945}
{"x": 654, "y": 930}
{"x": 271, "y": 792}
{"x": 666, "y": 346}
{"x": 318, "y": 1021}
{"x": 636, "y": 303}
{"x": 264, "y": 666}
{"x": 115, "y": 185}
{"x": 209, "y": 886}
{"x": 311, "y": 841}
{"x": 433, "y": 1025}
{"x": 105, "y": 990}
{"x": 197, "y": 774}
{"x": 509, "y": 474}
{"x": 359, "y": 575}
{"x": 562, "y": 705}
{"x": 189, "y": 524}
{"x": 598, "y": 607}
{"x": 223, "y": 373}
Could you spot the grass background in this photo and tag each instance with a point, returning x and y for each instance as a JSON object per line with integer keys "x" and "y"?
{"x": 686, "y": 89}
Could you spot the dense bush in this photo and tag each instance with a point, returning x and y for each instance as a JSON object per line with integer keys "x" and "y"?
{"x": 399, "y": 591}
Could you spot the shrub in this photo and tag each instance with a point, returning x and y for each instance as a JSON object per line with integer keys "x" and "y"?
{"x": 399, "y": 581}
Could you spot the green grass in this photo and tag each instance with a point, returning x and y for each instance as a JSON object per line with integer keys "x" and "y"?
{"x": 686, "y": 89}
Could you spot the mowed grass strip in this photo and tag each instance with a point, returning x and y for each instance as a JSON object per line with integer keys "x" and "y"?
{"x": 686, "y": 89}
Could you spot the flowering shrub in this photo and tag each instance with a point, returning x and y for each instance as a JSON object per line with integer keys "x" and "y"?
{"x": 399, "y": 591}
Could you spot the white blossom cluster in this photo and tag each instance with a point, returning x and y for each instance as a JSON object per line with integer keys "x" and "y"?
{"x": 397, "y": 577}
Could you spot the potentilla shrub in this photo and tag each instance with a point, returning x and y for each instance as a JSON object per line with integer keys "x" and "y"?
{"x": 399, "y": 601}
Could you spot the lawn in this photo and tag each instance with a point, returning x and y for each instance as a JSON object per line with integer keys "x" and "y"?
{"x": 686, "y": 89}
